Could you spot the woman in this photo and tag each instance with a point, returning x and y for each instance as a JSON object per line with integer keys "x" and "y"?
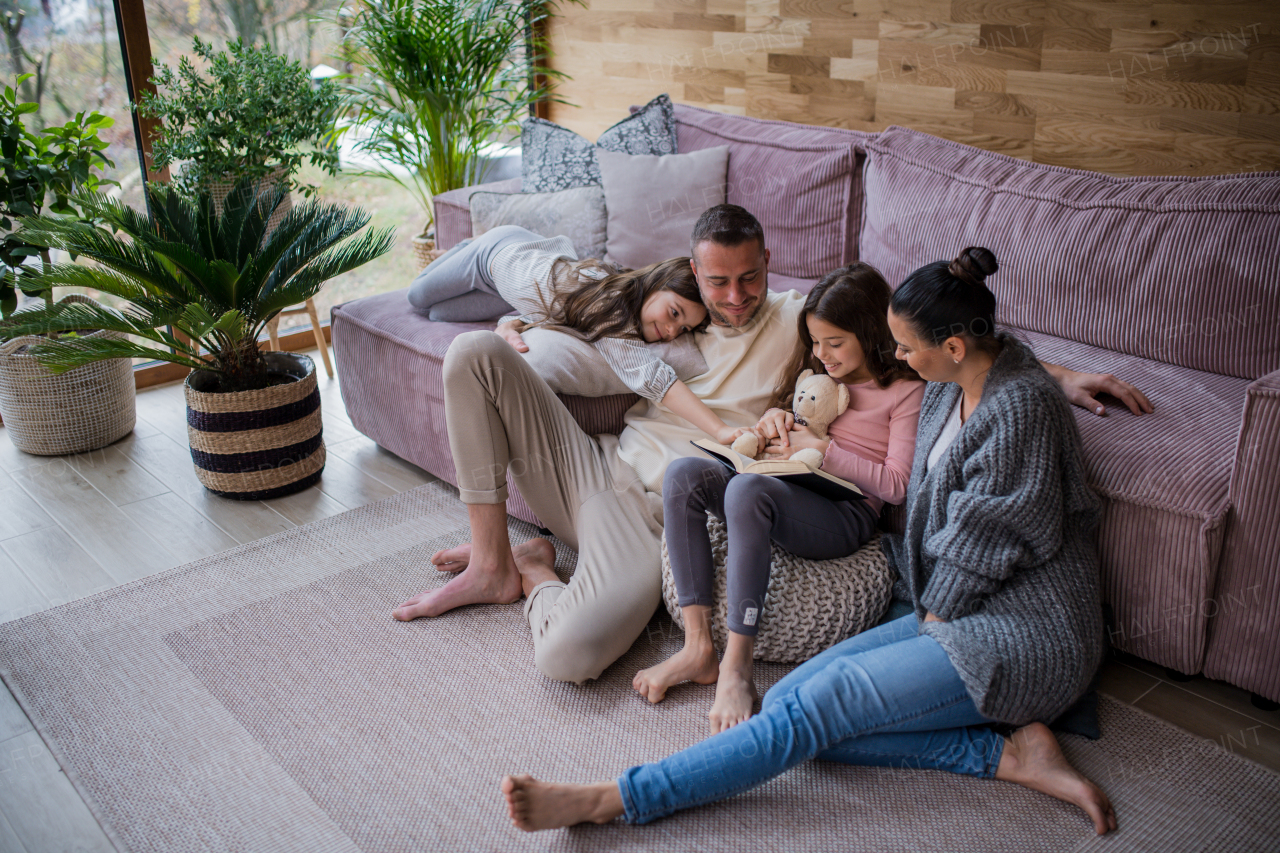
{"x": 999, "y": 563}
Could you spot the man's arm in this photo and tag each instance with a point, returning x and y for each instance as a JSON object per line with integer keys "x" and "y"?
{"x": 1082, "y": 390}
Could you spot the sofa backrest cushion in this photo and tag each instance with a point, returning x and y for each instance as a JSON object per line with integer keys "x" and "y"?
{"x": 802, "y": 182}
{"x": 1180, "y": 270}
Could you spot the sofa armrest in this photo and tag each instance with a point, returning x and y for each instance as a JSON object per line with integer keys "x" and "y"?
{"x": 453, "y": 210}
{"x": 1244, "y": 629}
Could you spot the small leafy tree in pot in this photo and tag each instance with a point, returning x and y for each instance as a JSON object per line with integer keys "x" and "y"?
{"x": 41, "y": 173}
{"x": 217, "y": 277}
{"x": 438, "y": 82}
{"x": 251, "y": 114}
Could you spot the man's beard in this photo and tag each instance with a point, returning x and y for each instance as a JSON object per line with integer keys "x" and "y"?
{"x": 722, "y": 320}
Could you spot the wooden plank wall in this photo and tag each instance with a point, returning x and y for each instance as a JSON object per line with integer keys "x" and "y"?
{"x": 1124, "y": 87}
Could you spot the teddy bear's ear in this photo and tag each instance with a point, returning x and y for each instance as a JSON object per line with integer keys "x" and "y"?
{"x": 842, "y": 398}
{"x": 804, "y": 374}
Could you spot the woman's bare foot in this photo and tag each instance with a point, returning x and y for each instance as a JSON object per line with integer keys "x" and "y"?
{"x": 695, "y": 662}
{"x": 538, "y": 805}
{"x": 736, "y": 698}
{"x": 536, "y": 562}
{"x": 1033, "y": 759}
{"x": 452, "y": 559}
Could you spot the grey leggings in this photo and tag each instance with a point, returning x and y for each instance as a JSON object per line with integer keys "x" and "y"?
{"x": 457, "y": 287}
{"x": 755, "y": 509}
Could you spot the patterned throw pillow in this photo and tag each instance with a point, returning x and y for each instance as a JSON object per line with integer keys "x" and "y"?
{"x": 577, "y": 213}
{"x": 555, "y": 158}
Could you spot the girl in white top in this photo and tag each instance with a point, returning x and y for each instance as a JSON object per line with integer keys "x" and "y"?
{"x": 618, "y": 311}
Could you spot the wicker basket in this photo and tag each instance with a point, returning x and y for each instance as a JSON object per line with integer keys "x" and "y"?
{"x": 810, "y": 605}
{"x": 425, "y": 251}
{"x": 221, "y": 189}
{"x": 74, "y": 412}
{"x": 253, "y": 445}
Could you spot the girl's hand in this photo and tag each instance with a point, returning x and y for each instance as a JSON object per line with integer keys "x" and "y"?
{"x": 929, "y": 617}
{"x": 800, "y": 437}
{"x": 727, "y": 435}
{"x": 775, "y": 423}
{"x": 510, "y": 332}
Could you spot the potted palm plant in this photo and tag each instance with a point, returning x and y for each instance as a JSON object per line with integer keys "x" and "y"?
{"x": 438, "y": 82}
{"x": 44, "y": 413}
{"x": 251, "y": 113}
{"x": 202, "y": 282}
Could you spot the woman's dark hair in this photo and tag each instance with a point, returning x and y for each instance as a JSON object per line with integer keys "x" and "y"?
{"x": 594, "y": 299}
{"x": 943, "y": 300}
{"x": 854, "y": 298}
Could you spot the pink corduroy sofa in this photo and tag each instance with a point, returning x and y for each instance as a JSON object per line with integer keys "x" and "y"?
{"x": 1170, "y": 283}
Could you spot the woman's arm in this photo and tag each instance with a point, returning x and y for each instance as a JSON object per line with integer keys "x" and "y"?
{"x": 686, "y": 404}
{"x": 1082, "y": 389}
{"x": 1010, "y": 509}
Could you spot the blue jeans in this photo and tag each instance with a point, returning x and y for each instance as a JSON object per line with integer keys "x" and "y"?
{"x": 887, "y": 697}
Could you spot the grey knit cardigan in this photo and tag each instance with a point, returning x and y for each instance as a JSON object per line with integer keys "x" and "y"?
{"x": 1000, "y": 543}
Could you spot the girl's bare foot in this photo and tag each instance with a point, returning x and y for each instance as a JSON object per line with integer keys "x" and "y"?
{"x": 538, "y": 805}
{"x": 1033, "y": 759}
{"x": 735, "y": 698}
{"x": 695, "y": 662}
{"x": 536, "y": 562}
{"x": 452, "y": 559}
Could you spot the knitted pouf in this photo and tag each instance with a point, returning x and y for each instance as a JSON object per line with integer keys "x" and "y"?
{"x": 810, "y": 605}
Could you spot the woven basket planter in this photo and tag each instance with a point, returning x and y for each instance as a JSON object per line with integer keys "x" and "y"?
{"x": 424, "y": 251}
{"x": 75, "y": 412}
{"x": 221, "y": 189}
{"x": 810, "y": 605}
{"x": 253, "y": 445}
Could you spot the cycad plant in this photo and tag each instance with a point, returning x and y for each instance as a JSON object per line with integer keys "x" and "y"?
{"x": 438, "y": 81}
{"x": 201, "y": 283}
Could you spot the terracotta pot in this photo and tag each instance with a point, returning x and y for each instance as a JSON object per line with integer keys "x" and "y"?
{"x": 253, "y": 445}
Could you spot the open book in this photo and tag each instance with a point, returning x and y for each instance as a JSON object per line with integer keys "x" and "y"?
{"x": 793, "y": 471}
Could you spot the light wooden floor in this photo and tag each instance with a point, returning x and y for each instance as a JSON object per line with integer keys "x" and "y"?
{"x": 73, "y": 526}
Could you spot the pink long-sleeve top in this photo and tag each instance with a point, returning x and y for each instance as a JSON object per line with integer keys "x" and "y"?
{"x": 874, "y": 441}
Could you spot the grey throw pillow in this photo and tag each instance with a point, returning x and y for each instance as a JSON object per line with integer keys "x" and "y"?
{"x": 653, "y": 202}
{"x": 573, "y": 366}
{"x": 576, "y": 213}
{"x": 555, "y": 158}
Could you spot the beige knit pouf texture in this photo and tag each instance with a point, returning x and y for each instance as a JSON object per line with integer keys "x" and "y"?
{"x": 810, "y": 605}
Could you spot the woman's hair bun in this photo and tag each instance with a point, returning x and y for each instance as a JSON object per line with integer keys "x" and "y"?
{"x": 974, "y": 265}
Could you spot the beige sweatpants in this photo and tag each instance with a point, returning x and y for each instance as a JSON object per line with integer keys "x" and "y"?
{"x": 504, "y": 420}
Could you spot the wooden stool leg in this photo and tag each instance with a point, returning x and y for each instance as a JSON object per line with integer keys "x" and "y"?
{"x": 273, "y": 332}
{"x": 319, "y": 333}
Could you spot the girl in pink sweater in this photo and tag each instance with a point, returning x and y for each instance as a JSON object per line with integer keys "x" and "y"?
{"x": 844, "y": 332}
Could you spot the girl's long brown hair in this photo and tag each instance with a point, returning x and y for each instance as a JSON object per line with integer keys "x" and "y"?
{"x": 595, "y": 299}
{"x": 854, "y": 298}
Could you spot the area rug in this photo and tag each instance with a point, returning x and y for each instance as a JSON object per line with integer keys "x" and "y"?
{"x": 263, "y": 699}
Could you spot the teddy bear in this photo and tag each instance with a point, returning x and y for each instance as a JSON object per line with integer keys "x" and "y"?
{"x": 818, "y": 401}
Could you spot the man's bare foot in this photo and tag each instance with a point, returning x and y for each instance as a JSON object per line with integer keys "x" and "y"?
{"x": 1033, "y": 759}
{"x": 538, "y": 805}
{"x": 452, "y": 559}
{"x": 735, "y": 698}
{"x": 695, "y": 662}
{"x": 476, "y": 584}
{"x": 536, "y": 562}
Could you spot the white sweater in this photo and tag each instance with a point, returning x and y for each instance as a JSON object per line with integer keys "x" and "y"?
{"x": 742, "y": 370}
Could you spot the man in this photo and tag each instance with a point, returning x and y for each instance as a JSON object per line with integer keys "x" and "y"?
{"x": 600, "y": 495}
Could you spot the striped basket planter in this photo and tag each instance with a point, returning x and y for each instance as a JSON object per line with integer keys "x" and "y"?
{"x": 253, "y": 445}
